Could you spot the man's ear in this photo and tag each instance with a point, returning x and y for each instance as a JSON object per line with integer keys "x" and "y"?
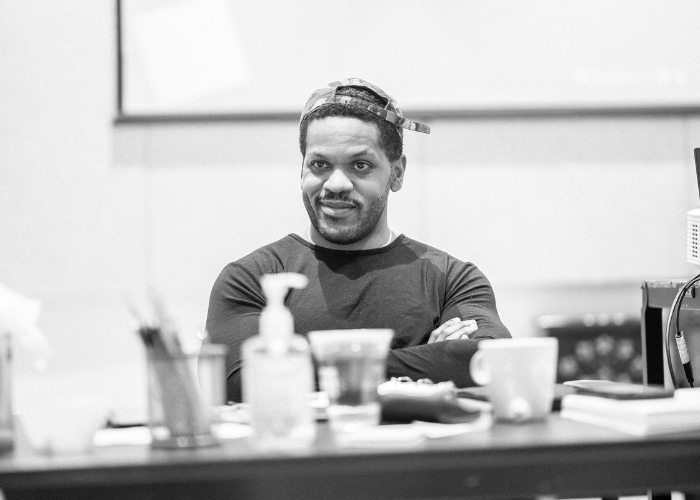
{"x": 398, "y": 169}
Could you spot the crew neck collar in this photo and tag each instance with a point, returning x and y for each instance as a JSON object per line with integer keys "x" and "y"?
{"x": 367, "y": 251}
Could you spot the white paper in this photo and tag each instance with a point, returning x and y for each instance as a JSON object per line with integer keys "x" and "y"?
{"x": 382, "y": 436}
{"x": 435, "y": 431}
{"x": 125, "y": 436}
{"x": 141, "y": 435}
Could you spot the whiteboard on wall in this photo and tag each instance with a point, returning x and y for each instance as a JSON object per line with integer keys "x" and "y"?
{"x": 266, "y": 56}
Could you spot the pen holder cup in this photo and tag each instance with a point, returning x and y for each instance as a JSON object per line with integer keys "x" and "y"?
{"x": 6, "y": 420}
{"x": 183, "y": 391}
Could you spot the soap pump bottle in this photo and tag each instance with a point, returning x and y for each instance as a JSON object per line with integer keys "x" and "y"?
{"x": 278, "y": 377}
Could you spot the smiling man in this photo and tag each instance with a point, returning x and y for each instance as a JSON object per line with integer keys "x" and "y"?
{"x": 346, "y": 179}
{"x": 361, "y": 274}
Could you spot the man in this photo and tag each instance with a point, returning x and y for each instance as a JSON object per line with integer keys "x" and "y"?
{"x": 361, "y": 274}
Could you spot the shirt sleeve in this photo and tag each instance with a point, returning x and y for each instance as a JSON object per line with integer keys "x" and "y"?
{"x": 468, "y": 295}
{"x": 439, "y": 361}
{"x": 234, "y": 310}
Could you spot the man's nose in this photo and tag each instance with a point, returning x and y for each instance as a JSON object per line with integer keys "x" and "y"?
{"x": 338, "y": 182}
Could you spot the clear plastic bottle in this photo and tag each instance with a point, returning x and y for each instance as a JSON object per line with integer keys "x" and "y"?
{"x": 277, "y": 373}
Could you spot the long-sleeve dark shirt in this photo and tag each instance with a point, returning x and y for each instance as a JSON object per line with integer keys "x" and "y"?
{"x": 407, "y": 286}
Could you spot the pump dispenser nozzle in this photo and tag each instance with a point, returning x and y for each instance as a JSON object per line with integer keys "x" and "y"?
{"x": 276, "y": 320}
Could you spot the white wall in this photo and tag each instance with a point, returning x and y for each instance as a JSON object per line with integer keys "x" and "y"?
{"x": 564, "y": 215}
{"x": 72, "y": 227}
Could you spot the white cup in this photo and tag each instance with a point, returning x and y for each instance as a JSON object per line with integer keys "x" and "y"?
{"x": 520, "y": 376}
{"x": 63, "y": 427}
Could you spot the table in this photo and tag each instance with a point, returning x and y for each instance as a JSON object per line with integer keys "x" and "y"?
{"x": 556, "y": 457}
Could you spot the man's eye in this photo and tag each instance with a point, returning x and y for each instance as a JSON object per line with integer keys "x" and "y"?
{"x": 317, "y": 164}
{"x": 362, "y": 166}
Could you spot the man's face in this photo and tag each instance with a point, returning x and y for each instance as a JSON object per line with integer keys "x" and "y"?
{"x": 346, "y": 178}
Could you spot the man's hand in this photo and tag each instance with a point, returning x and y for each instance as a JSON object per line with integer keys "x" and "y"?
{"x": 453, "y": 329}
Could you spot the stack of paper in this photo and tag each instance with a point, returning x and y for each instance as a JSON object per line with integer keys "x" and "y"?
{"x": 642, "y": 417}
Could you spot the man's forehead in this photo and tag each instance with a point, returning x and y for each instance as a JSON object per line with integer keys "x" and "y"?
{"x": 342, "y": 130}
{"x": 341, "y": 140}
{"x": 321, "y": 150}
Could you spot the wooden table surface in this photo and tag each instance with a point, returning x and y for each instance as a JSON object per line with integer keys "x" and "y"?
{"x": 556, "y": 457}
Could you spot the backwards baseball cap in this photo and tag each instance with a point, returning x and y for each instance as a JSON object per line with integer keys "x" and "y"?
{"x": 390, "y": 112}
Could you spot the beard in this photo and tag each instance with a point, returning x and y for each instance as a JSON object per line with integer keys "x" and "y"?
{"x": 341, "y": 235}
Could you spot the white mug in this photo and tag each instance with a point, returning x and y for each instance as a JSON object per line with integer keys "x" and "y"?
{"x": 520, "y": 376}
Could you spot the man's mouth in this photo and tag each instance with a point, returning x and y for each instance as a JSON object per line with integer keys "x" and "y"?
{"x": 336, "y": 208}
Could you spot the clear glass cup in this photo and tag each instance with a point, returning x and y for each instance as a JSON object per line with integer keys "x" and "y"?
{"x": 6, "y": 422}
{"x": 183, "y": 392}
{"x": 351, "y": 365}
{"x": 211, "y": 374}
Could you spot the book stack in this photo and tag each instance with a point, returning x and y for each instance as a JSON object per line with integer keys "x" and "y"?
{"x": 639, "y": 417}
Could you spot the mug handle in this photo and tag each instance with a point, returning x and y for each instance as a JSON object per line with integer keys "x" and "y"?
{"x": 479, "y": 368}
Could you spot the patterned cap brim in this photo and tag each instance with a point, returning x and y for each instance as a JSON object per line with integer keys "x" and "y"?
{"x": 390, "y": 113}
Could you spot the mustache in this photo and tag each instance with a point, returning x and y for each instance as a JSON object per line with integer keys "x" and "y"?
{"x": 330, "y": 196}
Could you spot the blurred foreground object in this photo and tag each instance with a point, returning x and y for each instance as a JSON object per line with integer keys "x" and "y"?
{"x": 351, "y": 365}
{"x": 66, "y": 427}
{"x": 18, "y": 317}
{"x": 179, "y": 414}
{"x": 6, "y": 430}
{"x": 278, "y": 373}
{"x": 640, "y": 417}
{"x": 519, "y": 375}
{"x": 404, "y": 401}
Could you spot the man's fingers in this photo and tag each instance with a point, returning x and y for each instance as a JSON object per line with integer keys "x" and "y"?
{"x": 462, "y": 333}
{"x": 457, "y": 327}
{"x": 453, "y": 330}
{"x": 439, "y": 329}
{"x": 446, "y": 328}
